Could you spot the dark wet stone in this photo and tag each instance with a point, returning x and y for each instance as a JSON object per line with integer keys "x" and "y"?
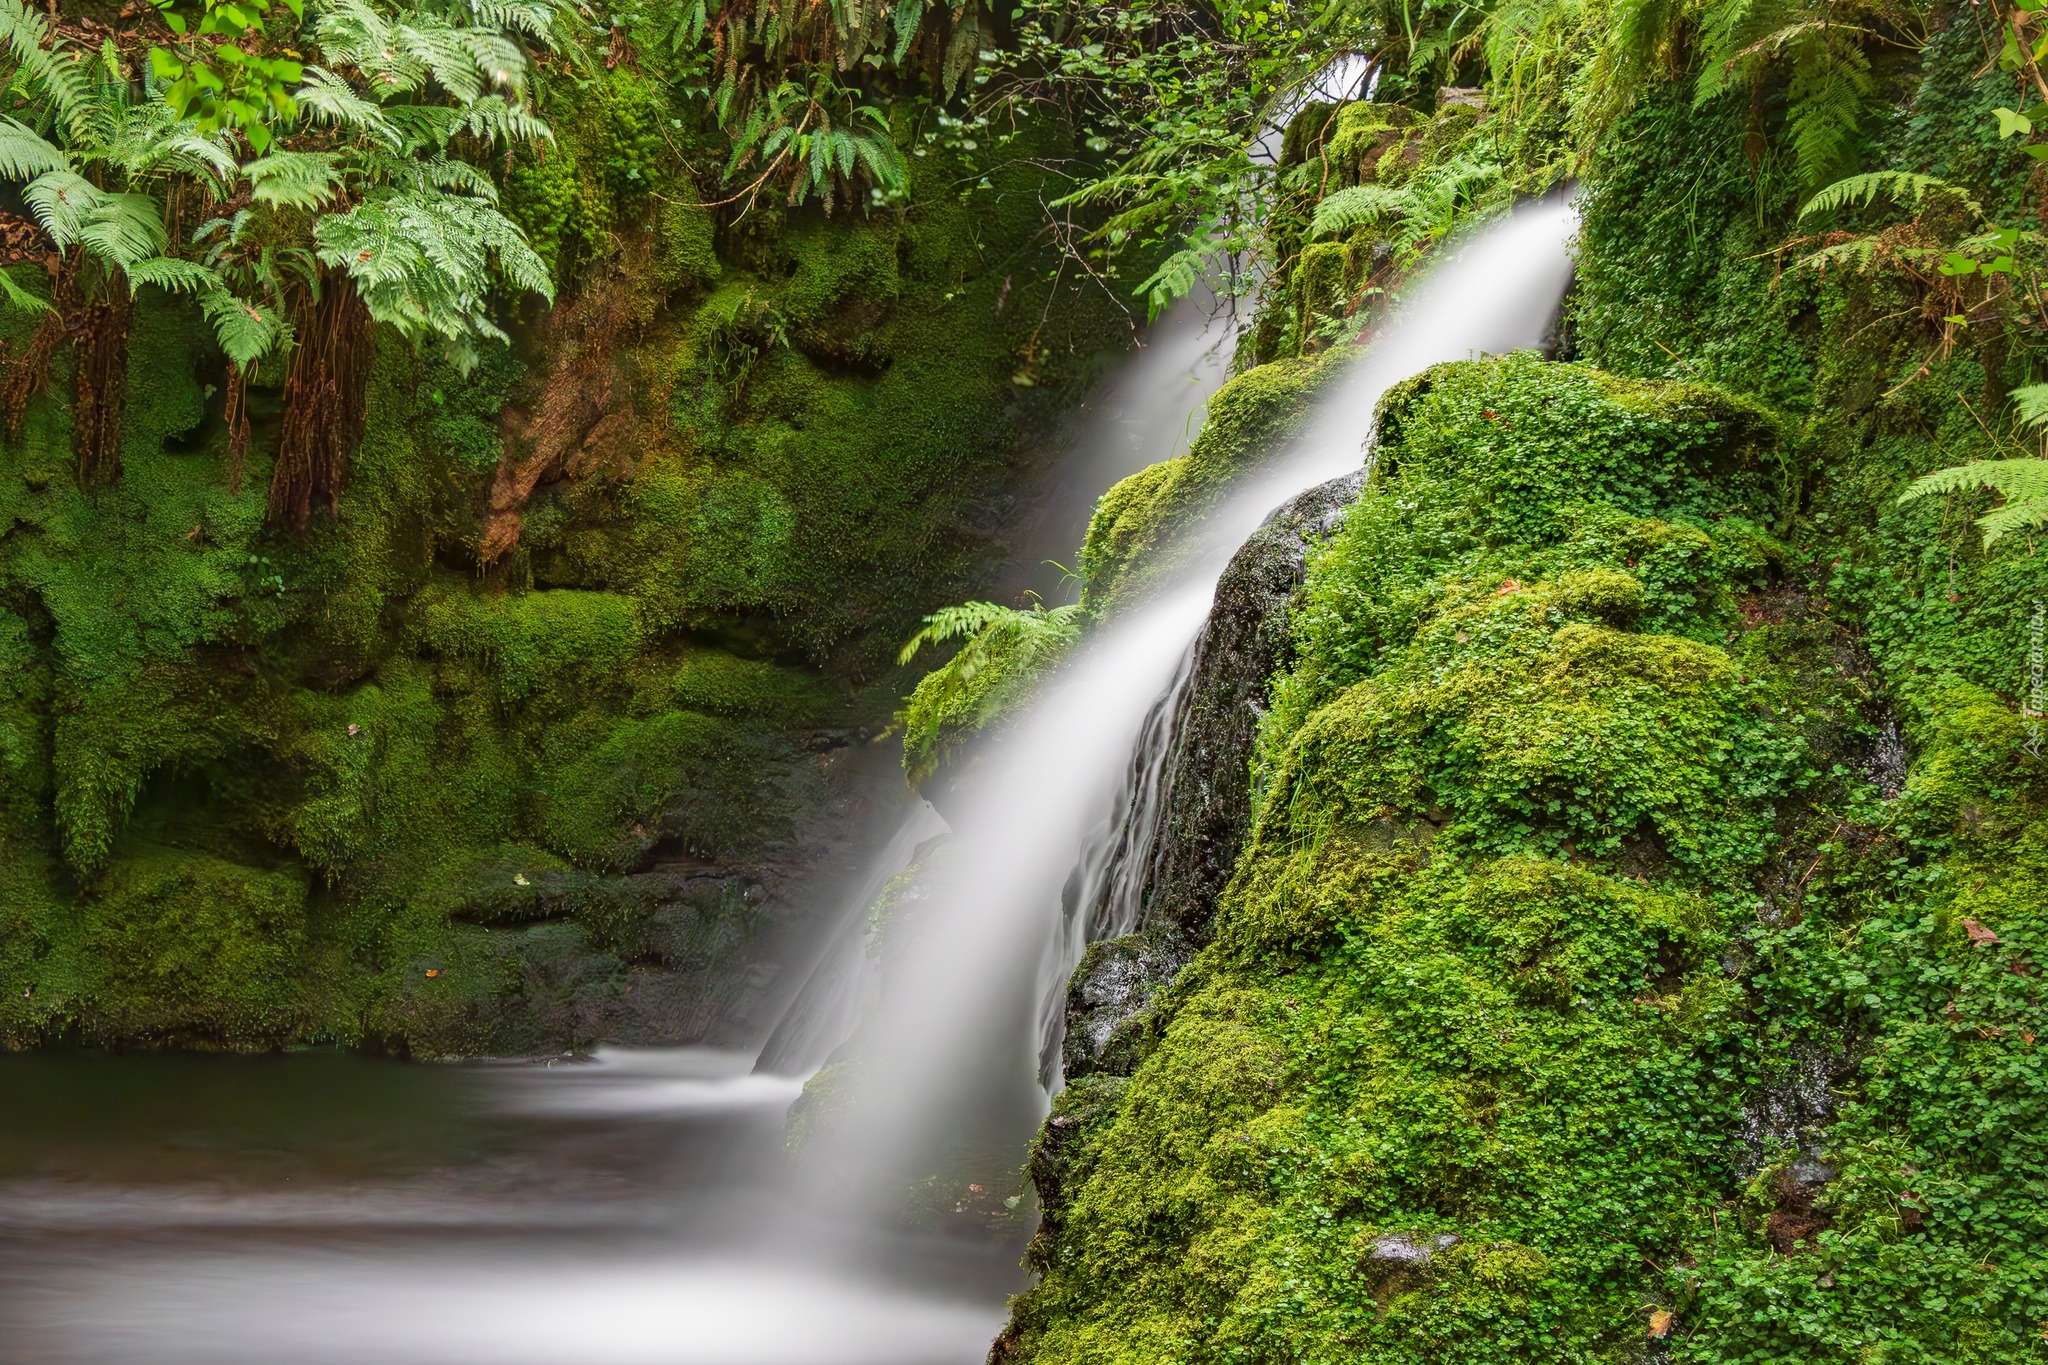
{"x": 1246, "y": 641}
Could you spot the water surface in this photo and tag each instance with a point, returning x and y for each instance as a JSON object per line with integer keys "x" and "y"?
{"x": 322, "y": 1207}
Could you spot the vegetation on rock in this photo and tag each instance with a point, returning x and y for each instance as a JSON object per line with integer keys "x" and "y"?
{"x": 557, "y": 648}
{"x": 1631, "y": 955}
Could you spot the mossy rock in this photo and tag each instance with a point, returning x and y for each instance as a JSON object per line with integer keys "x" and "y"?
{"x": 191, "y": 948}
{"x": 1144, "y": 526}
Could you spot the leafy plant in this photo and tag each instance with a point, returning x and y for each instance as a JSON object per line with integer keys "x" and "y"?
{"x": 1816, "y": 51}
{"x": 1005, "y": 651}
{"x": 2022, "y": 484}
{"x": 229, "y": 82}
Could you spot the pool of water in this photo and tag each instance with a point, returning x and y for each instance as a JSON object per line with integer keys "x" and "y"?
{"x": 320, "y": 1207}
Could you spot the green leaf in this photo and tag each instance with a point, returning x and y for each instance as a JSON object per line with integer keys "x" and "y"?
{"x": 1859, "y": 191}
{"x": 21, "y": 298}
{"x": 173, "y": 276}
{"x": 2032, "y": 404}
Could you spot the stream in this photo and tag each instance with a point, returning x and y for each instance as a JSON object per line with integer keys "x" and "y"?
{"x": 321, "y": 1207}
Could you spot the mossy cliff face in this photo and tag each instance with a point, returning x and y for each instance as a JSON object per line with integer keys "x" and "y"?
{"x": 536, "y": 741}
{"x": 1636, "y": 952}
{"x": 1598, "y": 953}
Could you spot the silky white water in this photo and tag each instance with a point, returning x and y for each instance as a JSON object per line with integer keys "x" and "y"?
{"x": 981, "y": 954}
{"x": 690, "y": 1243}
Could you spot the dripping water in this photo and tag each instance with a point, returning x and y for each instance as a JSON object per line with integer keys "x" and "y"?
{"x": 1105, "y": 890}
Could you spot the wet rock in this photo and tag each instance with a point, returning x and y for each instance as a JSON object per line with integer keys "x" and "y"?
{"x": 686, "y": 948}
{"x": 1403, "y": 1248}
{"x": 1206, "y": 813}
{"x": 1109, "y": 999}
{"x": 1208, "y": 784}
{"x": 1888, "y": 761}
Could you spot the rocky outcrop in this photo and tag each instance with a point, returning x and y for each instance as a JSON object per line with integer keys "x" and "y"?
{"x": 1206, "y": 803}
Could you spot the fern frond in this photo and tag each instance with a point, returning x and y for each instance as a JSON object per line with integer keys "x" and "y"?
{"x": 1860, "y": 191}
{"x": 305, "y": 180}
{"x": 45, "y": 60}
{"x": 21, "y": 298}
{"x": 2016, "y": 480}
{"x": 62, "y": 201}
{"x": 1355, "y": 207}
{"x": 1831, "y": 85}
{"x": 2022, "y": 483}
{"x": 460, "y": 177}
{"x": 423, "y": 126}
{"x": 2032, "y": 402}
{"x": 2031, "y": 515}
{"x": 173, "y": 276}
{"x": 1724, "y": 29}
{"x": 25, "y": 154}
{"x": 496, "y": 120}
{"x": 247, "y": 330}
{"x": 1175, "y": 279}
{"x": 125, "y": 229}
{"x": 951, "y": 623}
{"x": 331, "y": 101}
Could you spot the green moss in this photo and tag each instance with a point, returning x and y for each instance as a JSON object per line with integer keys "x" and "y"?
{"x": 553, "y": 651}
{"x": 195, "y": 948}
{"x": 818, "y": 416}
{"x": 1516, "y": 470}
{"x": 679, "y": 775}
{"x": 1142, "y": 523}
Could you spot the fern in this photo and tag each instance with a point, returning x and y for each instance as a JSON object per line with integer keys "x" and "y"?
{"x": 304, "y": 180}
{"x": 1861, "y": 191}
{"x": 333, "y": 102}
{"x": 24, "y": 153}
{"x": 1029, "y": 636}
{"x": 2022, "y": 483}
{"x": 1006, "y": 651}
{"x": 1175, "y": 278}
{"x": 2032, "y": 402}
{"x": 29, "y": 40}
{"x": 174, "y": 276}
{"x": 1356, "y": 207}
{"x": 951, "y": 623}
{"x": 247, "y": 330}
{"x": 21, "y": 298}
{"x": 125, "y": 228}
{"x": 1826, "y": 103}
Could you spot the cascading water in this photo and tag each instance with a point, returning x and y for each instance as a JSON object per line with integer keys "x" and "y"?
{"x": 1148, "y": 411}
{"x": 1103, "y": 892}
{"x": 989, "y": 948}
{"x": 707, "y": 1252}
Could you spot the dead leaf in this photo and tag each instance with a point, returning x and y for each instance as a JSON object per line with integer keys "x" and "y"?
{"x": 1509, "y": 586}
{"x": 1660, "y": 1323}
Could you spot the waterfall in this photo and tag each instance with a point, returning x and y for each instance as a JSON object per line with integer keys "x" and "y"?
{"x": 839, "y": 982}
{"x": 985, "y": 948}
{"x": 1106, "y": 888}
{"x": 1051, "y": 843}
